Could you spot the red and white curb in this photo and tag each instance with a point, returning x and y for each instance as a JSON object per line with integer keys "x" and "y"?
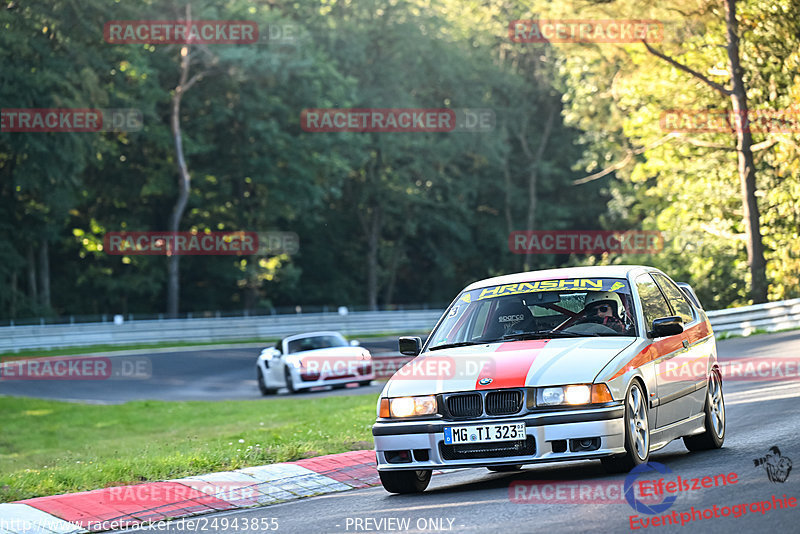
{"x": 129, "y": 506}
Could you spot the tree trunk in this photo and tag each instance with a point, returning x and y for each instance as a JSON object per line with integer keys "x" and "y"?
{"x": 388, "y": 294}
{"x": 184, "y": 184}
{"x": 44, "y": 275}
{"x": 507, "y": 183}
{"x": 12, "y": 311}
{"x": 747, "y": 171}
{"x": 533, "y": 176}
{"x": 373, "y": 242}
{"x": 31, "y": 267}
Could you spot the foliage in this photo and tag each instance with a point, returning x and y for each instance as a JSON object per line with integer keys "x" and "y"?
{"x": 382, "y": 218}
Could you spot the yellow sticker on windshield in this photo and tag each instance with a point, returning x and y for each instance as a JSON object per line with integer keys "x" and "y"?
{"x": 617, "y": 285}
{"x": 466, "y": 298}
{"x": 541, "y": 285}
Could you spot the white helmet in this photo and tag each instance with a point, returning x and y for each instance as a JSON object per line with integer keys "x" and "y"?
{"x": 609, "y": 296}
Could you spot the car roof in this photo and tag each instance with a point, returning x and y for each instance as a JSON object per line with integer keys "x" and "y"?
{"x": 595, "y": 271}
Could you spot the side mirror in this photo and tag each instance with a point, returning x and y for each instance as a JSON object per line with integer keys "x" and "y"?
{"x": 355, "y": 343}
{"x": 666, "y": 326}
{"x": 410, "y": 346}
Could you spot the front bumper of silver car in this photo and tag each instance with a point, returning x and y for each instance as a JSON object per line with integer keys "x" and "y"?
{"x": 561, "y": 435}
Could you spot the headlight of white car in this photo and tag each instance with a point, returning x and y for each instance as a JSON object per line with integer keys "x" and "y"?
{"x": 573, "y": 395}
{"x": 407, "y": 406}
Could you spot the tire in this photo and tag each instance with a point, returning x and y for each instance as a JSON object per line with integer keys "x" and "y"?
{"x": 405, "y": 481}
{"x": 289, "y": 382}
{"x": 714, "y": 435}
{"x": 262, "y": 387}
{"x": 504, "y": 468}
{"x": 637, "y": 433}
{"x": 365, "y": 382}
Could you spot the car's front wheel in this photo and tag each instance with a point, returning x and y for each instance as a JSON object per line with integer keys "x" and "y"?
{"x": 289, "y": 382}
{"x": 637, "y": 433}
{"x": 262, "y": 386}
{"x": 405, "y": 481}
{"x": 714, "y": 435}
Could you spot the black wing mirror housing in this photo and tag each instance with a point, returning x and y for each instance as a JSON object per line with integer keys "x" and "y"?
{"x": 410, "y": 346}
{"x": 666, "y": 326}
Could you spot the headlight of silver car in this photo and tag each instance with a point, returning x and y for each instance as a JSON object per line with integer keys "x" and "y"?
{"x": 573, "y": 395}
{"x": 407, "y": 406}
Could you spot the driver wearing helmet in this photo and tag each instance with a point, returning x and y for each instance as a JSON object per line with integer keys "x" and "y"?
{"x": 605, "y": 308}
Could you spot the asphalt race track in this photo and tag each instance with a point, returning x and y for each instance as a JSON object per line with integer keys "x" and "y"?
{"x": 179, "y": 375}
{"x": 760, "y": 415}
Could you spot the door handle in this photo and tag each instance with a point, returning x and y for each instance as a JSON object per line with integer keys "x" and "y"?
{"x": 685, "y": 344}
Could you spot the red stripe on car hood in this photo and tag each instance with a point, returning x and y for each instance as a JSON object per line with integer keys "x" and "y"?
{"x": 510, "y": 370}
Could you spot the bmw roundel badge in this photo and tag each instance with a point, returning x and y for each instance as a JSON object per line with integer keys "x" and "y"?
{"x": 485, "y": 381}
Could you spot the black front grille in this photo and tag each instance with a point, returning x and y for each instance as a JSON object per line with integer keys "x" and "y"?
{"x": 468, "y": 405}
{"x": 503, "y": 402}
{"x": 499, "y": 449}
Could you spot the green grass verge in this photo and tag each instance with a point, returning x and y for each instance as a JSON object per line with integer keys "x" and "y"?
{"x": 52, "y": 447}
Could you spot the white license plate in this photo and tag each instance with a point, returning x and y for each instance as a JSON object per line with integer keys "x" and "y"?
{"x": 484, "y": 433}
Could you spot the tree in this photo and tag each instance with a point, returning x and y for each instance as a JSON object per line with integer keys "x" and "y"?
{"x": 744, "y": 143}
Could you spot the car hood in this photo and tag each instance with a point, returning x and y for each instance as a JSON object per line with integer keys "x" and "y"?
{"x": 545, "y": 362}
{"x": 330, "y": 354}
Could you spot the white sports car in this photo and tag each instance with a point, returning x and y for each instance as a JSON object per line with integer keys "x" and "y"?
{"x": 609, "y": 362}
{"x": 304, "y": 361}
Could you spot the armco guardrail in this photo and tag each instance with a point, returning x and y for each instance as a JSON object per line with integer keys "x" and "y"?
{"x": 14, "y": 338}
{"x": 747, "y": 319}
{"x": 742, "y": 321}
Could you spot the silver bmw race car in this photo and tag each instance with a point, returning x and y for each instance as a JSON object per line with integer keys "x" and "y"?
{"x": 565, "y": 364}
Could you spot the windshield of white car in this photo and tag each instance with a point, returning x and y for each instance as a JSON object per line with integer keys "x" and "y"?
{"x": 315, "y": 343}
{"x": 540, "y": 309}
